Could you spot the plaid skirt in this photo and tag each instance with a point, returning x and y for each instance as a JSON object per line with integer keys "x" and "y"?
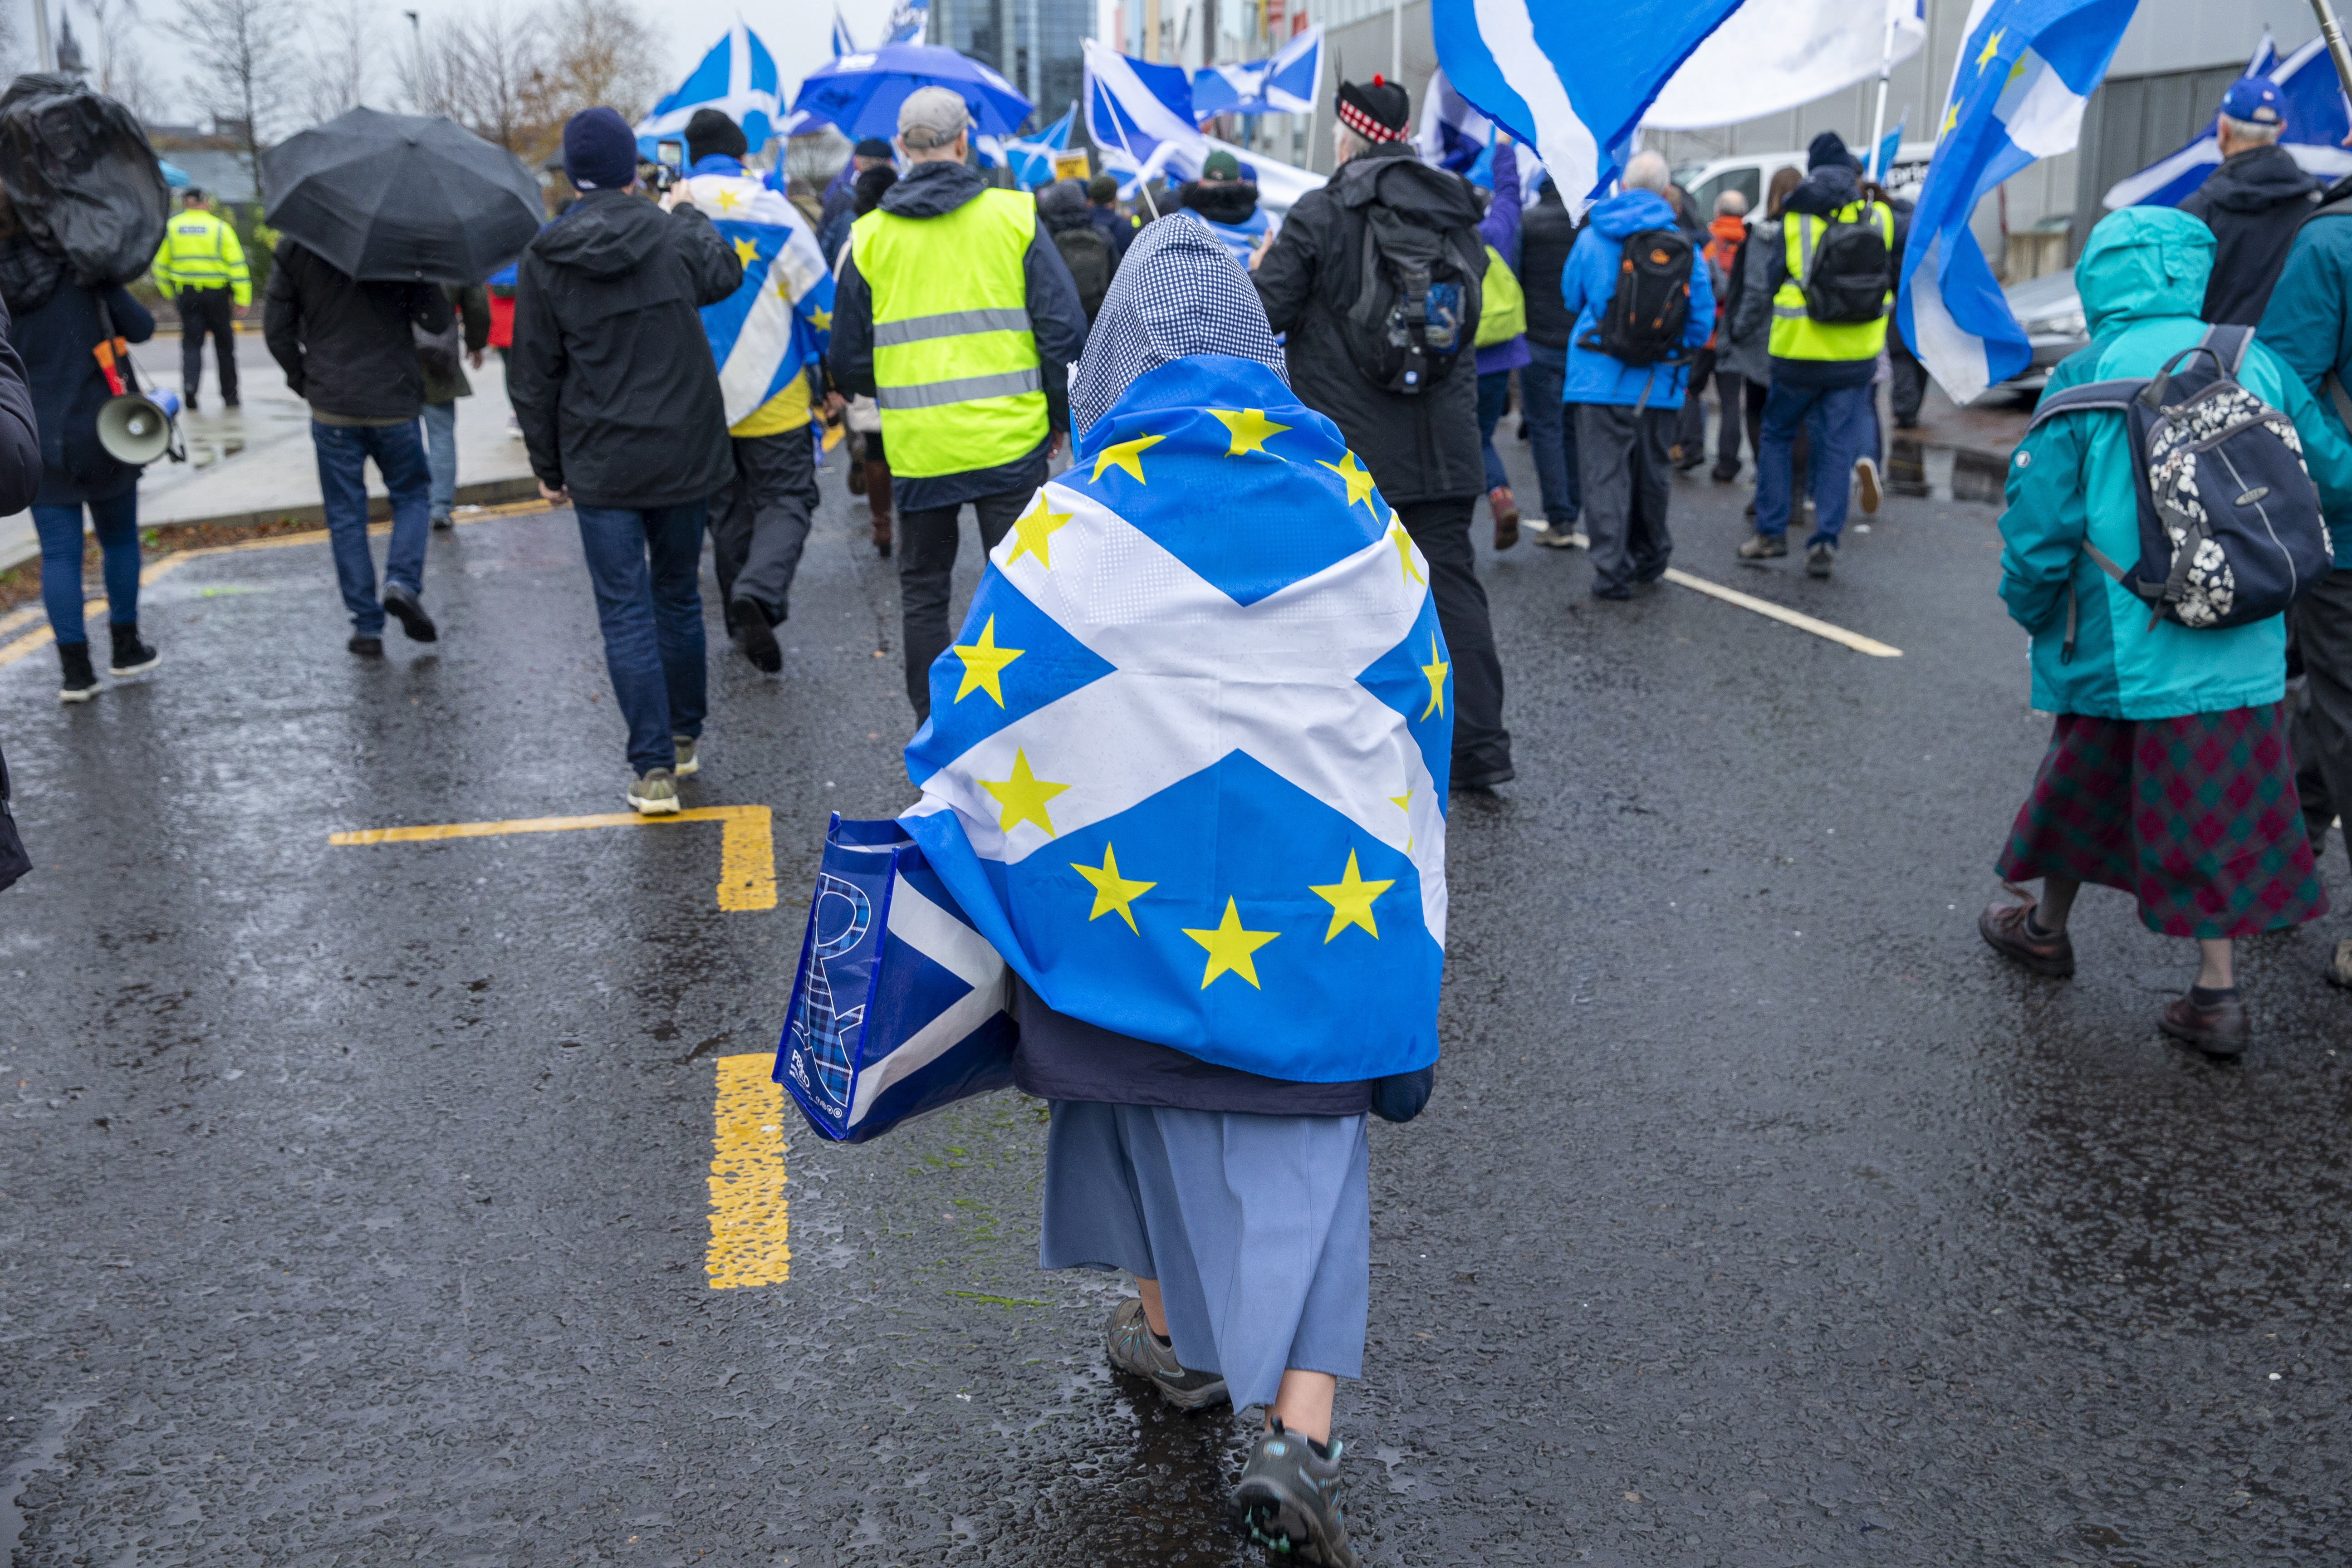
{"x": 2196, "y": 818}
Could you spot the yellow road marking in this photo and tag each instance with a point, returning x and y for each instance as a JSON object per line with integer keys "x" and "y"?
{"x": 747, "y": 850}
{"x": 1805, "y": 623}
{"x": 165, "y": 566}
{"x": 748, "y": 1218}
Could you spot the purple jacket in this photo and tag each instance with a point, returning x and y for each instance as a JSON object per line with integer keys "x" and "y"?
{"x": 1500, "y": 228}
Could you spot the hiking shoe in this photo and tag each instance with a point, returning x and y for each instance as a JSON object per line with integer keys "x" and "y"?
{"x": 1865, "y": 473}
{"x": 80, "y": 682}
{"x": 2339, "y": 971}
{"x": 1764, "y": 547}
{"x": 1819, "y": 559}
{"x": 1724, "y": 476}
{"x": 654, "y": 794}
{"x": 1557, "y": 535}
{"x": 131, "y": 657}
{"x": 399, "y": 603}
{"x": 1287, "y": 1500}
{"x": 2218, "y": 1031}
{"x": 758, "y": 636}
{"x": 687, "y": 762}
{"x": 366, "y": 647}
{"x": 441, "y": 521}
{"x": 1507, "y": 516}
{"x": 1134, "y": 1347}
{"x": 188, "y": 401}
{"x": 2003, "y": 928}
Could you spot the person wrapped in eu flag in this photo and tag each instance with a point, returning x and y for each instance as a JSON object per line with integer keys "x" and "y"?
{"x": 1186, "y": 770}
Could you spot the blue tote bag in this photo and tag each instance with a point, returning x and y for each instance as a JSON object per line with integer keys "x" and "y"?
{"x": 899, "y": 1004}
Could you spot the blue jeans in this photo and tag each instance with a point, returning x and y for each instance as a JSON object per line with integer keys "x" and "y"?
{"x": 1494, "y": 390}
{"x": 1550, "y": 431}
{"x": 441, "y": 454}
{"x": 652, "y": 620}
{"x": 1839, "y": 421}
{"x": 399, "y": 454}
{"x": 116, "y": 522}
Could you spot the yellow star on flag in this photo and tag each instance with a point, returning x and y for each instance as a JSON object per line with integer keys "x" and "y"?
{"x": 983, "y": 664}
{"x": 1033, "y": 529}
{"x": 1357, "y": 480}
{"x": 746, "y": 252}
{"x": 1403, "y": 542}
{"x": 1250, "y": 429}
{"x": 1023, "y": 796}
{"x": 1992, "y": 48}
{"x": 727, "y": 202}
{"x": 1435, "y": 669}
{"x": 1350, "y": 899}
{"x": 821, "y": 320}
{"x": 1127, "y": 455}
{"x": 1403, "y": 803}
{"x": 1951, "y": 118}
{"x": 1113, "y": 893}
{"x": 1230, "y": 947}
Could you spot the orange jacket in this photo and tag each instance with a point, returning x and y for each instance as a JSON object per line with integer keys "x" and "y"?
{"x": 1722, "y": 253}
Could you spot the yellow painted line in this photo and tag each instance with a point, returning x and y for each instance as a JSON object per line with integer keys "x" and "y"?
{"x": 747, "y": 849}
{"x": 748, "y": 1218}
{"x": 1803, "y": 623}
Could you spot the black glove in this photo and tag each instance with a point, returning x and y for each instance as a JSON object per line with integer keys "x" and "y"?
{"x": 1399, "y": 1096}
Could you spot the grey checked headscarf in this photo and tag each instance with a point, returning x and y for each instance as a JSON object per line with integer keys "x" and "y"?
{"x": 1178, "y": 293}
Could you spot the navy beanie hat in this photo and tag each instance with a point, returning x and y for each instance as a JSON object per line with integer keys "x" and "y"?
{"x": 1828, "y": 150}
{"x": 600, "y": 151}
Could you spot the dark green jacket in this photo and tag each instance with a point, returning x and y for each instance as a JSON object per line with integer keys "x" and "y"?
{"x": 473, "y": 309}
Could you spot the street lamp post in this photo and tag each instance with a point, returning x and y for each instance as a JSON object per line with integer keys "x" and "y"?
{"x": 416, "y": 53}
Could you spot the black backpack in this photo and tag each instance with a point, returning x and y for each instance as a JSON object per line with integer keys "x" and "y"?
{"x": 14, "y": 861}
{"x": 1847, "y": 279}
{"x": 1642, "y": 323}
{"x": 2230, "y": 529}
{"x": 1415, "y": 310}
{"x": 1086, "y": 251}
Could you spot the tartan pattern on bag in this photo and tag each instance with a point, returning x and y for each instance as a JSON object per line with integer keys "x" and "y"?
{"x": 2196, "y": 818}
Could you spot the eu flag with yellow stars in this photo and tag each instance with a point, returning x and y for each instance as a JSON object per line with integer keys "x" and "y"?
{"x": 780, "y": 319}
{"x": 1186, "y": 763}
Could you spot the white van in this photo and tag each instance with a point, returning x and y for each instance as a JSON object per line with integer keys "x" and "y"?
{"x": 1751, "y": 173}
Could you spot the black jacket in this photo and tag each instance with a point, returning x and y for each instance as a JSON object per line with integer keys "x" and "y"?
{"x": 346, "y": 346}
{"x": 611, "y": 375}
{"x": 1057, "y": 320}
{"x": 1546, "y": 234}
{"x": 2254, "y": 204}
{"x": 1419, "y": 448}
{"x": 68, "y": 389}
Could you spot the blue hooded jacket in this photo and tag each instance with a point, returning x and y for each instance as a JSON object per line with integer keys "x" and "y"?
{"x": 1586, "y": 285}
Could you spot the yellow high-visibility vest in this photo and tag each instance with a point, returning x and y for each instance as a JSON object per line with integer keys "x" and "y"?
{"x": 200, "y": 251}
{"x": 955, "y": 361}
{"x": 1795, "y": 334}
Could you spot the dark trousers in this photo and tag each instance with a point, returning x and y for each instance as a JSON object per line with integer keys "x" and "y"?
{"x": 1910, "y": 387}
{"x": 2321, "y": 730}
{"x": 1690, "y": 425}
{"x": 1482, "y": 747}
{"x": 927, "y": 558}
{"x": 1550, "y": 430}
{"x": 343, "y": 451}
{"x": 643, "y": 565}
{"x": 1731, "y": 393}
{"x": 201, "y": 312}
{"x": 1494, "y": 393}
{"x": 1839, "y": 421}
{"x": 1627, "y": 480}
{"x": 759, "y": 523}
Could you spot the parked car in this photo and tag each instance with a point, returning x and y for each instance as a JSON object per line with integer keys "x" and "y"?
{"x": 2051, "y": 312}
{"x": 1751, "y": 173}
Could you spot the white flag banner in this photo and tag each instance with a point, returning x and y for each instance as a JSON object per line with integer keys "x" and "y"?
{"x": 1773, "y": 55}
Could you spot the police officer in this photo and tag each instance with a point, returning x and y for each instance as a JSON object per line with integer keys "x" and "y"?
{"x": 201, "y": 270}
{"x": 956, "y": 314}
{"x": 1821, "y": 370}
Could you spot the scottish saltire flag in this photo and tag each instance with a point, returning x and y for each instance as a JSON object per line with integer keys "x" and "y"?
{"x": 1572, "y": 81}
{"x": 781, "y": 318}
{"x": 2317, "y": 121}
{"x": 1889, "y": 145}
{"x": 843, "y": 43}
{"x": 909, "y": 22}
{"x": 1031, "y": 158}
{"x": 2018, "y": 92}
{"x": 1186, "y": 764}
{"x": 1285, "y": 84}
{"x": 737, "y": 78}
{"x": 1134, "y": 108}
{"x": 1770, "y": 56}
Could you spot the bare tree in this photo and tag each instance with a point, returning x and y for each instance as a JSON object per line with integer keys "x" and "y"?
{"x": 121, "y": 69}
{"x": 603, "y": 52}
{"x": 243, "y": 51}
{"x": 340, "y": 66}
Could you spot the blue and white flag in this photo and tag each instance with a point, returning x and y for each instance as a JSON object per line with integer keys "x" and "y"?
{"x": 2317, "y": 121}
{"x": 737, "y": 78}
{"x": 1285, "y": 84}
{"x": 1185, "y": 770}
{"x": 843, "y": 43}
{"x": 909, "y": 20}
{"x": 1771, "y": 55}
{"x": 1572, "y": 81}
{"x": 2018, "y": 91}
{"x": 1133, "y": 110}
{"x": 1455, "y": 135}
{"x": 1031, "y": 158}
{"x": 781, "y": 318}
{"x": 1889, "y": 145}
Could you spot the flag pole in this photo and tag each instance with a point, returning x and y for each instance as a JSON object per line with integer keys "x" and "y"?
{"x": 2337, "y": 50}
{"x": 1142, "y": 185}
{"x": 1887, "y": 69}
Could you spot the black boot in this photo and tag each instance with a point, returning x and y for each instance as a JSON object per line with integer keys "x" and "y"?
{"x": 80, "y": 683}
{"x": 131, "y": 657}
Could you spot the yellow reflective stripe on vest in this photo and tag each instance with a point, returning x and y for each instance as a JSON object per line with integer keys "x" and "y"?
{"x": 956, "y": 372}
{"x": 1795, "y": 334}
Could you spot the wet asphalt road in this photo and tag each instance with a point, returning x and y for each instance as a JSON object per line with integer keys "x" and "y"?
{"x": 352, "y": 1200}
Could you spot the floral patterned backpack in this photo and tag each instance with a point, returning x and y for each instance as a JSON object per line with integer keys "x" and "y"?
{"x": 2230, "y": 529}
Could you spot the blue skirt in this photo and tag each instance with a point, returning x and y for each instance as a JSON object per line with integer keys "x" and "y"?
{"x": 1259, "y": 1230}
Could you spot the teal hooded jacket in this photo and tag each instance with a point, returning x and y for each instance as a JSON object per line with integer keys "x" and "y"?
{"x": 2142, "y": 279}
{"x": 2308, "y": 323}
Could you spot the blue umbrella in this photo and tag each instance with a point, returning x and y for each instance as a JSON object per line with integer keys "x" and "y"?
{"x": 173, "y": 176}
{"x": 861, "y": 93}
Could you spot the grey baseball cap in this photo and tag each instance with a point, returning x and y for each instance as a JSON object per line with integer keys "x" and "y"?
{"x": 931, "y": 117}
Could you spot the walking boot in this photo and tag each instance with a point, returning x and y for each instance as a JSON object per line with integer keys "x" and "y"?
{"x": 759, "y": 637}
{"x": 2216, "y": 1028}
{"x": 131, "y": 657}
{"x": 1133, "y": 1348}
{"x": 2005, "y": 931}
{"x": 878, "y": 496}
{"x": 1764, "y": 547}
{"x": 80, "y": 683}
{"x": 856, "y": 467}
{"x": 2339, "y": 969}
{"x": 1507, "y": 516}
{"x": 1287, "y": 1500}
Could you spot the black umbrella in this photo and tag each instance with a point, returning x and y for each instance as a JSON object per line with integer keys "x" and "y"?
{"x": 398, "y": 197}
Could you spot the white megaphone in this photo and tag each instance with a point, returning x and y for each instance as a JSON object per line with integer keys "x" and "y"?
{"x": 136, "y": 428}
